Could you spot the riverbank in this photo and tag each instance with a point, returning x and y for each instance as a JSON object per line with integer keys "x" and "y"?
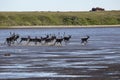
{"x": 87, "y": 26}
{"x": 59, "y": 18}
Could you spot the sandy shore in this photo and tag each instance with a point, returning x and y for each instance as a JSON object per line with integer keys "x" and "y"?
{"x": 63, "y": 26}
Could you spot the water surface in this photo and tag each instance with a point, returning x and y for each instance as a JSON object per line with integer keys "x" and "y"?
{"x": 99, "y": 59}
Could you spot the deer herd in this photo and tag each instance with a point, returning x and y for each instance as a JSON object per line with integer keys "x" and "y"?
{"x": 47, "y": 39}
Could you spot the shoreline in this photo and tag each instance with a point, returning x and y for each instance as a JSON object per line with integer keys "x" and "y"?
{"x": 59, "y": 26}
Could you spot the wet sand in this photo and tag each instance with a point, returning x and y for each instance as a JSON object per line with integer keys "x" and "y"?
{"x": 67, "y": 26}
{"x": 68, "y": 62}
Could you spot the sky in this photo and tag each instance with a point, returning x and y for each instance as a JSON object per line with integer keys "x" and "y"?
{"x": 57, "y": 5}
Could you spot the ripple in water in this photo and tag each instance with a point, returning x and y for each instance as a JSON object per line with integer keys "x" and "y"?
{"x": 15, "y": 75}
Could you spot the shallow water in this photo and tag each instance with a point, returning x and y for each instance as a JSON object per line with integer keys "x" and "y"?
{"x": 99, "y": 59}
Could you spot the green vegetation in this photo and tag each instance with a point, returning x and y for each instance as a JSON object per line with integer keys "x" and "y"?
{"x": 59, "y": 18}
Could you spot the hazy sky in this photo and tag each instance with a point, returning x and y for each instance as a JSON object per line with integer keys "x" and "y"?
{"x": 57, "y": 5}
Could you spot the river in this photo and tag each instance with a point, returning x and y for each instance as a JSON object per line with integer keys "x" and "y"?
{"x": 99, "y": 59}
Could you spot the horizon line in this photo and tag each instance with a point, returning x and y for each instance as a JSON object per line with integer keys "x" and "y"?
{"x": 52, "y": 11}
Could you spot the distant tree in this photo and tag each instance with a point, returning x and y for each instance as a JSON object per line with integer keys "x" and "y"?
{"x": 98, "y": 9}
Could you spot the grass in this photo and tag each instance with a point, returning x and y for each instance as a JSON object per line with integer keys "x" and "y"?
{"x": 59, "y": 18}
